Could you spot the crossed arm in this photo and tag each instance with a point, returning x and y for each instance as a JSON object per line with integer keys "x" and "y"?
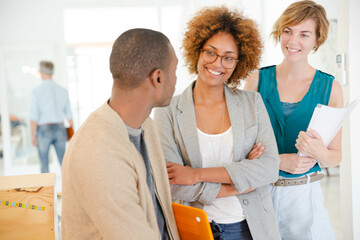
{"x": 204, "y": 185}
{"x": 186, "y": 175}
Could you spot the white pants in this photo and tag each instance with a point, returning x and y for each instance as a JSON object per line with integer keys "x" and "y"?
{"x": 300, "y": 212}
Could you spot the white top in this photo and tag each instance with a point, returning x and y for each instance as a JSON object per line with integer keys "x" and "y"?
{"x": 217, "y": 151}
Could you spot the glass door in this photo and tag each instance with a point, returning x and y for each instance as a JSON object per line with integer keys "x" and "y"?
{"x": 19, "y": 75}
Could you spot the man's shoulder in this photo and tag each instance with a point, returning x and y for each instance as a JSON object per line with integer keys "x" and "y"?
{"x": 102, "y": 117}
{"x": 149, "y": 125}
{"x": 60, "y": 88}
{"x": 37, "y": 88}
{"x": 98, "y": 134}
{"x": 46, "y": 86}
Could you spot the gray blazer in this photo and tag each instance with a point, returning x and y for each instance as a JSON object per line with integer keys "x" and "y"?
{"x": 250, "y": 124}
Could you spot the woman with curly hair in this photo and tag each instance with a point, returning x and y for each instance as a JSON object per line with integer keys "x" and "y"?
{"x": 208, "y": 132}
{"x": 291, "y": 91}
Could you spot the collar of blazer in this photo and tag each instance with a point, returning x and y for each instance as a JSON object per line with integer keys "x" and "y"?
{"x": 187, "y": 122}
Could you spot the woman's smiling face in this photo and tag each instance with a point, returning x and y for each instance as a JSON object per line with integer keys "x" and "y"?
{"x": 298, "y": 41}
{"x": 221, "y": 44}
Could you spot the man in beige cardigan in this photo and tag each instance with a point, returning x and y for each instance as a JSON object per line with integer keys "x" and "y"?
{"x": 115, "y": 183}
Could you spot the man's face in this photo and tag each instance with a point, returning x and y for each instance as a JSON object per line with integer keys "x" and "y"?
{"x": 170, "y": 79}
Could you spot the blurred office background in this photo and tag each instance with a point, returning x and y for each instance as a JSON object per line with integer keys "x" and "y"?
{"x": 77, "y": 35}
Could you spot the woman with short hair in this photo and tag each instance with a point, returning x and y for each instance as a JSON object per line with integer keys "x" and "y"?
{"x": 291, "y": 91}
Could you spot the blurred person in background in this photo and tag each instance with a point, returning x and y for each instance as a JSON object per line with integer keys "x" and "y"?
{"x": 49, "y": 108}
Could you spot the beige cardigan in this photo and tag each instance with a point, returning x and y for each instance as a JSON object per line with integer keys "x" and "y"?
{"x": 105, "y": 194}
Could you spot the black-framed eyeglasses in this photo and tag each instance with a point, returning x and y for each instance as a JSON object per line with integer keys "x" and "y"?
{"x": 226, "y": 61}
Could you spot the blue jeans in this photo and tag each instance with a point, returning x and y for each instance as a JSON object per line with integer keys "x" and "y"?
{"x": 54, "y": 134}
{"x": 232, "y": 231}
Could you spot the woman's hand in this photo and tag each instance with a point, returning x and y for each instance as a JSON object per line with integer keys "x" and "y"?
{"x": 181, "y": 175}
{"x": 228, "y": 190}
{"x": 311, "y": 144}
{"x": 294, "y": 164}
{"x": 256, "y": 151}
{"x": 248, "y": 190}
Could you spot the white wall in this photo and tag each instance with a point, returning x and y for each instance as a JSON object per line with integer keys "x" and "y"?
{"x": 354, "y": 93}
{"x": 348, "y": 43}
{"x": 35, "y": 22}
{"x": 345, "y": 166}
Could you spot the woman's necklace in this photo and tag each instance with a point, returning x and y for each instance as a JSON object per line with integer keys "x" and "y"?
{"x": 207, "y": 131}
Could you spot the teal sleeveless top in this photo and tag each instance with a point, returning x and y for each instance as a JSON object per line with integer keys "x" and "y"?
{"x": 286, "y": 131}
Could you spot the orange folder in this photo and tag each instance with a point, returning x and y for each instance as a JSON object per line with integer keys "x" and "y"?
{"x": 192, "y": 223}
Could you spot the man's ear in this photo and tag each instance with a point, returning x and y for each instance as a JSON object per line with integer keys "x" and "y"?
{"x": 156, "y": 77}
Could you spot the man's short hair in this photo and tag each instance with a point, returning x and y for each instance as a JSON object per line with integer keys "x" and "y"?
{"x": 136, "y": 54}
{"x": 47, "y": 67}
